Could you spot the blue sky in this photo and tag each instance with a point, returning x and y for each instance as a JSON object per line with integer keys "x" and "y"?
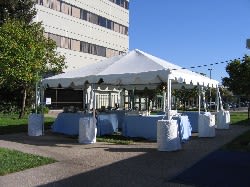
{"x": 191, "y": 32}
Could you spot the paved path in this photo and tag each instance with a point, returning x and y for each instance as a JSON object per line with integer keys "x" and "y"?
{"x": 103, "y": 164}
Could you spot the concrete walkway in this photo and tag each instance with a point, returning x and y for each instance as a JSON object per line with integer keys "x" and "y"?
{"x": 103, "y": 164}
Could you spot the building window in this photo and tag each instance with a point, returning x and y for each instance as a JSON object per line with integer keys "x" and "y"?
{"x": 83, "y": 14}
{"x": 56, "y": 38}
{"x": 116, "y": 27}
{"x": 77, "y": 12}
{"x": 84, "y": 47}
{"x": 102, "y": 21}
{"x": 66, "y": 8}
{"x": 122, "y": 3}
{"x": 81, "y": 46}
{"x": 65, "y": 42}
{"x": 101, "y": 51}
{"x": 75, "y": 45}
{"x": 93, "y": 18}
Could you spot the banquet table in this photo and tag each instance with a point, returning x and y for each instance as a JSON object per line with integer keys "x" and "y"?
{"x": 68, "y": 123}
{"x": 193, "y": 117}
{"x": 107, "y": 124}
{"x": 146, "y": 126}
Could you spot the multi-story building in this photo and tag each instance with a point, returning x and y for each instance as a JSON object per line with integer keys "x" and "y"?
{"x": 85, "y": 31}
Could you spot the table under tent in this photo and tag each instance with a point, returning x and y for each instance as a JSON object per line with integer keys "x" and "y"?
{"x": 133, "y": 70}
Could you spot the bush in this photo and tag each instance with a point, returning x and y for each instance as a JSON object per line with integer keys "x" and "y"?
{"x": 41, "y": 109}
{"x": 8, "y": 108}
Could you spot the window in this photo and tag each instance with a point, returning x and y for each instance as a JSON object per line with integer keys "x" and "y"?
{"x": 118, "y": 2}
{"x": 40, "y": 2}
{"x": 122, "y": 4}
{"x": 110, "y": 24}
{"x": 58, "y": 5}
{"x": 101, "y": 51}
{"x": 66, "y": 8}
{"x": 111, "y": 52}
{"x": 65, "y": 42}
{"x": 84, "y": 47}
{"x": 81, "y": 46}
{"x": 76, "y": 12}
{"x": 126, "y": 5}
{"x": 56, "y": 38}
{"x": 46, "y": 3}
{"x": 75, "y": 45}
{"x": 93, "y": 18}
{"x": 116, "y": 27}
{"x": 102, "y": 21}
{"x": 83, "y": 14}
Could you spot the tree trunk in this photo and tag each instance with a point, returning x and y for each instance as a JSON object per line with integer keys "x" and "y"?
{"x": 22, "y": 112}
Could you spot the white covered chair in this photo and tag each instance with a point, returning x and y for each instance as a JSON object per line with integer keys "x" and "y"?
{"x": 222, "y": 119}
{"x": 206, "y": 125}
{"x": 168, "y": 138}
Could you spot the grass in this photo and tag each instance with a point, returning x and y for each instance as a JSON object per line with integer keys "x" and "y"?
{"x": 12, "y": 124}
{"x": 14, "y": 161}
{"x": 117, "y": 138}
{"x": 238, "y": 117}
{"x": 242, "y": 142}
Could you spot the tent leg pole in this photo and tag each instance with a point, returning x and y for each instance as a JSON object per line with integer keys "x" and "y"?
{"x": 199, "y": 100}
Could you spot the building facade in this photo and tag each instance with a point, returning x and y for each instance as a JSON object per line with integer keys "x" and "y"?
{"x": 85, "y": 31}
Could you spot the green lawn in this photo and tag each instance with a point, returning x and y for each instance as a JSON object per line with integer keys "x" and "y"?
{"x": 13, "y": 161}
{"x": 242, "y": 142}
{"x": 238, "y": 117}
{"x": 11, "y": 123}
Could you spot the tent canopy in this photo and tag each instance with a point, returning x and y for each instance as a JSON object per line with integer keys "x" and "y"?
{"x": 128, "y": 70}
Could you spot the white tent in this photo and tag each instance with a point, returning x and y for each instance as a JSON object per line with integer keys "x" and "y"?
{"x": 130, "y": 70}
{"x": 133, "y": 70}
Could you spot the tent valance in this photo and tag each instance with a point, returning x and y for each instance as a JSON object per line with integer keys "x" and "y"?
{"x": 135, "y": 68}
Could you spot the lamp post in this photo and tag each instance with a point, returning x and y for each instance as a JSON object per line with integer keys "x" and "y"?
{"x": 210, "y": 94}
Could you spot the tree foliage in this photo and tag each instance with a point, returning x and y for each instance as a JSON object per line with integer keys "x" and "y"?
{"x": 239, "y": 77}
{"x": 17, "y": 9}
{"x": 26, "y": 55}
{"x": 184, "y": 94}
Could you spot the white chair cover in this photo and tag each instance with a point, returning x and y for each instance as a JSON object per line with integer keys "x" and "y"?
{"x": 206, "y": 125}
{"x": 35, "y": 124}
{"x": 87, "y": 130}
{"x": 168, "y": 138}
{"x": 222, "y": 119}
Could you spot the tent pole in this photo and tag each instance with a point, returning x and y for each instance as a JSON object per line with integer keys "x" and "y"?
{"x": 164, "y": 100}
{"x": 217, "y": 98}
{"x": 169, "y": 99}
{"x": 204, "y": 99}
{"x": 199, "y": 100}
{"x": 93, "y": 101}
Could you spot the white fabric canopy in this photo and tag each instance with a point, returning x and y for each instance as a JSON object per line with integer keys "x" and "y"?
{"x": 129, "y": 70}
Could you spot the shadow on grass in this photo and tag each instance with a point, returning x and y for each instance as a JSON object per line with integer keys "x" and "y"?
{"x": 10, "y": 129}
{"x": 245, "y": 122}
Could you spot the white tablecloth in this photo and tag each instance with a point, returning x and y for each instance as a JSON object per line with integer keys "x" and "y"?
{"x": 107, "y": 124}
{"x": 146, "y": 126}
{"x": 68, "y": 123}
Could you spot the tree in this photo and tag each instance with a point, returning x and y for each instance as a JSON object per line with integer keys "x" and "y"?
{"x": 184, "y": 94}
{"x": 239, "y": 77}
{"x": 17, "y": 9}
{"x": 25, "y": 55}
